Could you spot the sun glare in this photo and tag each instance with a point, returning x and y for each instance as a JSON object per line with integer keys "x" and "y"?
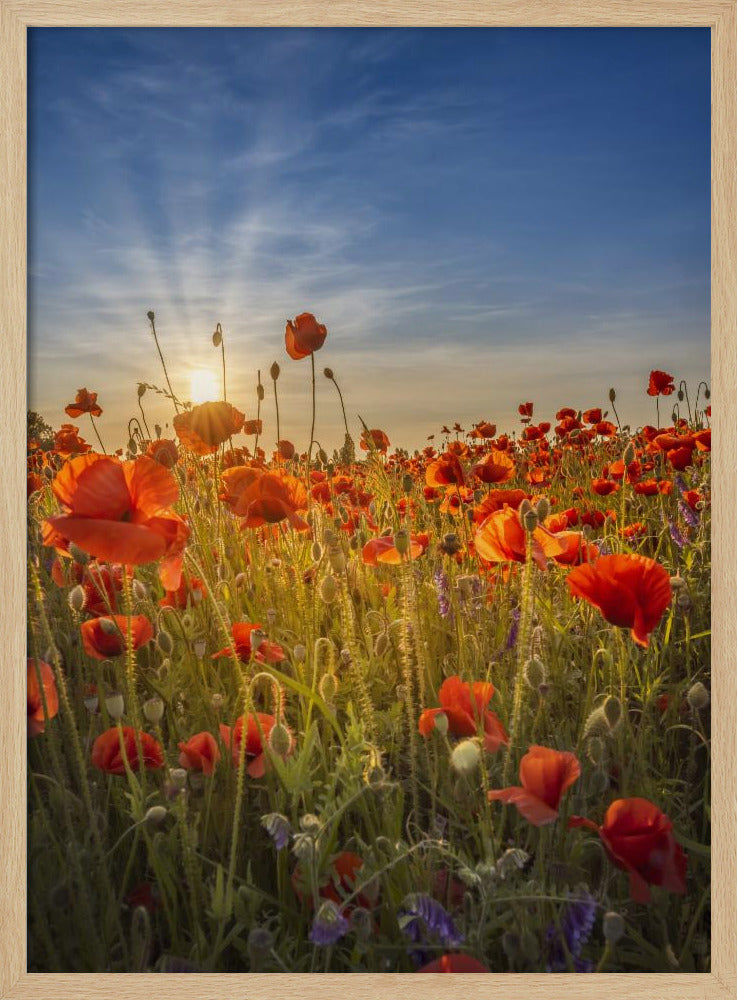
{"x": 204, "y": 387}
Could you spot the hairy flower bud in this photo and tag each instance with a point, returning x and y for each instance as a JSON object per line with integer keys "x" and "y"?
{"x": 280, "y": 739}
{"x": 275, "y": 371}
{"x": 535, "y": 672}
{"x": 115, "y": 705}
{"x": 76, "y": 598}
{"x": 165, "y": 643}
{"x": 328, "y": 688}
{"x": 465, "y": 757}
{"x": 328, "y": 589}
{"x": 153, "y": 709}
{"x": 698, "y": 696}
{"x": 613, "y": 927}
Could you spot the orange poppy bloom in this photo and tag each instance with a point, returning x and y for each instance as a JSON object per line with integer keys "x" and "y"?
{"x": 35, "y": 483}
{"x": 605, "y": 428}
{"x": 464, "y": 705}
{"x": 106, "y": 637}
{"x": 454, "y": 963}
{"x": 303, "y": 336}
{"x": 203, "y": 428}
{"x": 383, "y": 550}
{"x": 199, "y": 753}
{"x": 660, "y": 384}
{"x": 192, "y": 587}
{"x": 631, "y": 591}
{"x": 525, "y": 409}
{"x": 84, "y": 402}
{"x": 577, "y": 550}
{"x": 501, "y": 538}
{"x": 164, "y": 451}
{"x": 285, "y": 449}
{"x": 495, "y": 500}
{"x": 603, "y": 487}
{"x": 374, "y": 439}
{"x": 445, "y": 471}
{"x": 545, "y": 775}
{"x": 68, "y": 442}
{"x": 120, "y": 512}
{"x": 267, "y": 652}
{"x": 592, "y": 416}
{"x": 263, "y": 497}
{"x": 36, "y": 717}
{"x": 497, "y": 467}
{"x": 109, "y": 756}
{"x": 484, "y": 430}
{"x": 256, "y": 759}
{"x": 253, "y": 427}
{"x": 639, "y": 839}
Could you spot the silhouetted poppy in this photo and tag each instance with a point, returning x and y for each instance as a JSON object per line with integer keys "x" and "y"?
{"x": 108, "y": 756}
{"x": 34, "y": 698}
{"x": 631, "y": 591}
{"x": 638, "y": 838}
{"x": 660, "y": 384}
{"x": 253, "y": 427}
{"x": 525, "y": 409}
{"x": 199, "y": 753}
{"x": 303, "y": 336}
{"x": 203, "y": 428}
{"x": 84, "y": 402}
{"x": 106, "y": 637}
{"x": 545, "y": 775}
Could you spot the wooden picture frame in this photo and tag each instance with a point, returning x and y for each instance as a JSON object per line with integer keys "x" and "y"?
{"x": 18, "y": 15}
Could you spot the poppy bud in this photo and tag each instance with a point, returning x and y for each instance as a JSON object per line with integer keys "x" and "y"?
{"x": 259, "y": 944}
{"x": 543, "y": 508}
{"x": 382, "y": 644}
{"x": 323, "y": 456}
{"x": 683, "y": 600}
{"x": 155, "y": 815}
{"x": 698, "y": 696}
{"x": 299, "y": 653}
{"x": 681, "y": 397}
{"x": 316, "y": 552}
{"x": 612, "y": 395}
{"x": 336, "y": 559}
{"x": 328, "y": 688}
{"x": 375, "y": 775}
{"x": 530, "y": 521}
{"x": 345, "y": 657}
{"x": 217, "y": 337}
{"x": 280, "y": 739}
{"x": 217, "y": 701}
{"x": 629, "y": 454}
{"x": 465, "y": 757}
{"x": 329, "y": 537}
{"x": 165, "y": 643}
{"x": 328, "y": 589}
{"x": 141, "y": 389}
{"x": 613, "y": 711}
{"x": 328, "y": 373}
{"x": 76, "y": 598}
{"x": 257, "y": 637}
{"x": 132, "y": 446}
{"x": 108, "y": 626}
{"x": 275, "y": 371}
{"x": 153, "y": 709}
{"x": 441, "y": 723}
{"x": 150, "y": 315}
{"x": 450, "y": 543}
{"x": 199, "y": 646}
{"x": 402, "y": 541}
{"x": 260, "y": 392}
{"x": 115, "y": 705}
{"x": 407, "y": 483}
{"x": 241, "y": 580}
{"x": 310, "y": 823}
{"x": 78, "y": 555}
{"x": 707, "y": 394}
{"x": 523, "y": 508}
{"x": 91, "y": 703}
{"x": 140, "y": 590}
{"x": 613, "y": 927}
{"x": 361, "y": 923}
{"x": 178, "y": 778}
{"x": 596, "y": 752}
{"x": 597, "y": 724}
{"x": 535, "y": 672}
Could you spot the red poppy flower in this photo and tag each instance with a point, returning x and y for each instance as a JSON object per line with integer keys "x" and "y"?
{"x": 631, "y": 591}
{"x": 35, "y": 483}
{"x": 454, "y": 963}
{"x": 256, "y": 758}
{"x": 84, "y": 402}
{"x": 484, "y": 430}
{"x": 603, "y": 487}
{"x": 285, "y": 449}
{"x": 303, "y": 336}
{"x": 199, "y": 753}
{"x": 120, "y": 512}
{"x": 375, "y": 440}
{"x": 267, "y": 652}
{"x": 592, "y": 416}
{"x": 164, "y": 451}
{"x": 496, "y": 500}
{"x": 639, "y": 839}
{"x": 36, "y": 717}
{"x": 605, "y": 428}
{"x": 68, "y": 442}
{"x": 263, "y": 497}
{"x": 445, "y": 471}
{"x": 203, "y": 428}
{"x": 108, "y": 756}
{"x": 192, "y": 588}
{"x": 525, "y": 409}
{"x": 251, "y": 427}
{"x": 496, "y": 467}
{"x": 464, "y": 705}
{"x": 660, "y": 384}
{"x": 545, "y": 775}
{"x": 501, "y": 538}
{"x": 577, "y": 550}
{"x": 383, "y": 550}
{"x": 106, "y": 637}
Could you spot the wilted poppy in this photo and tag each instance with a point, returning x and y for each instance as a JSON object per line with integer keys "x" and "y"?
{"x": 203, "y": 428}
{"x": 266, "y": 651}
{"x": 199, "y": 753}
{"x": 638, "y": 838}
{"x": 464, "y": 706}
{"x": 120, "y": 512}
{"x": 109, "y": 756}
{"x": 631, "y": 591}
{"x": 660, "y": 384}
{"x": 84, "y": 402}
{"x": 35, "y": 699}
{"x": 303, "y": 336}
{"x": 545, "y": 775}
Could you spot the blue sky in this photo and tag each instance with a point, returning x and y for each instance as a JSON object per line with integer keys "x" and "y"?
{"x": 480, "y": 216}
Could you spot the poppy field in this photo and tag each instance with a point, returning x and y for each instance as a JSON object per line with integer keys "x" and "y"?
{"x": 375, "y": 710}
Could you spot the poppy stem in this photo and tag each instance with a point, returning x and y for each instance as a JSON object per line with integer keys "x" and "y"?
{"x": 276, "y": 401}
{"x": 312, "y": 430}
{"x": 163, "y": 363}
{"x": 97, "y": 433}
{"x": 219, "y": 329}
{"x": 259, "y": 391}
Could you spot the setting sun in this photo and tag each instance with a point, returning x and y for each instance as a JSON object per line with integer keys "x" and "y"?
{"x": 204, "y": 386}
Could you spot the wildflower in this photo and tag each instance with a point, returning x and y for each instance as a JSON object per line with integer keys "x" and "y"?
{"x": 660, "y": 384}
{"x": 445, "y": 471}
{"x": 689, "y": 515}
{"x": 631, "y": 591}
{"x": 84, "y": 402}
{"x": 190, "y": 588}
{"x": 639, "y": 839}
{"x": 35, "y": 699}
{"x": 545, "y": 775}
{"x": 278, "y": 828}
{"x": 108, "y": 755}
{"x": 454, "y": 963}
{"x": 203, "y": 428}
{"x": 497, "y": 467}
{"x": 464, "y": 706}
{"x": 576, "y": 924}
{"x": 384, "y": 549}
{"x": 199, "y": 753}
{"x": 303, "y": 336}
{"x": 258, "y": 727}
{"x": 164, "y": 451}
{"x": 242, "y": 632}
{"x": 263, "y": 497}
{"x": 106, "y": 637}
{"x": 440, "y": 581}
{"x": 374, "y": 440}
{"x": 501, "y": 538}
{"x": 121, "y": 512}
{"x": 420, "y": 916}
{"x": 329, "y": 924}
{"x": 675, "y": 533}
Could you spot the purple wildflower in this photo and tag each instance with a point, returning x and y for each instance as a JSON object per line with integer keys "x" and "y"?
{"x": 329, "y": 925}
{"x": 278, "y": 828}
{"x": 691, "y": 517}
{"x": 675, "y": 534}
{"x": 513, "y": 630}
{"x": 421, "y": 916}
{"x": 441, "y": 588}
{"x": 576, "y": 924}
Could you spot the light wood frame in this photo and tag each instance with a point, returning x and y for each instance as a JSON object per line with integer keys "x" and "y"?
{"x": 18, "y": 15}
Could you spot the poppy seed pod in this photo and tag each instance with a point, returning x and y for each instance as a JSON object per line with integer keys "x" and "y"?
{"x": 115, "y": 705}
{"x": 328, "y": 373}
{"x": 275, "y": 371}
{"x": 76, "y": 598}
{"x": 217, "y": 701}
{"x": 178, "y": 777}
{"x": 199, "y": 647}
{"x": 150, "y": 315}
{"x": 328, "y": 688}
{"x": 257, "y": 637}
{"x": 165, "y": 643}
{"x": 299, "y": 653}
{"x": 530, "y": 521}
{"x": 465, "y": 757}
{"x": 698, "y": 696}
{"x": 153, "y": 709}
{"x": 441, "y": 723}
